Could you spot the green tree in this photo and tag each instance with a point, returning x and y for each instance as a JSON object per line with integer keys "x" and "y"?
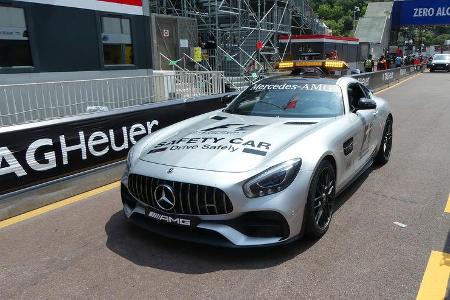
{"x": 337, "y": 27}
{"x": 338, "y": 14}
{"x": 440, "y": 39}
{"x": 325, "y": 12}
{"x": 347, "y": 23}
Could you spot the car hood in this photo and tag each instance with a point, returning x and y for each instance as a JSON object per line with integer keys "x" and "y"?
{"x": 227, "y": 143}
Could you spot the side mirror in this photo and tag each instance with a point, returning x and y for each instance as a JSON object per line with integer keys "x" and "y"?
{"x": 228, "y": 98}
{"x": 366, "y": 104}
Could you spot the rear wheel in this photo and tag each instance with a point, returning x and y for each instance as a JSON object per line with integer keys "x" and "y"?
{"x": 384, "y": 153}
{"x": 321, "y": 196}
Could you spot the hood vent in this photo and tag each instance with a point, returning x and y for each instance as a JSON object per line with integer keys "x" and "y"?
{"x": 219, "y": 118}
{"x": 300, "y": 123}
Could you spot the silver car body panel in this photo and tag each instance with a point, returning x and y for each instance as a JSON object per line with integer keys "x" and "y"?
{"x": 223, "y": 150}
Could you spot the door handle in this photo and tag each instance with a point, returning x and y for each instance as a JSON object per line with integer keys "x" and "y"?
{"x": 375, "y": 114}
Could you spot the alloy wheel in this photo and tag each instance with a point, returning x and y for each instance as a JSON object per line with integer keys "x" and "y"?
{"x": 324, "y": 198}
{"x": 387, "y": 139}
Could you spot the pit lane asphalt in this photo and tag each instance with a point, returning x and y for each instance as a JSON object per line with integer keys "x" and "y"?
{"x": 86, "y": 250}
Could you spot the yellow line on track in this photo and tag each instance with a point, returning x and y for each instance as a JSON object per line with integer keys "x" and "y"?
{"x": 397, "y": 84}
{"x": 447, "y": 207}
{"x": 435, "y": 279}
{"x": 58, "y": 204}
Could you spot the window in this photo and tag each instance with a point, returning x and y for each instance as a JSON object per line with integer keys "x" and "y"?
{"x": 117, "y": 43}
{"x": 14, "y": 44}
{"x": 355, "y": 93}
{"x": 368, "y": 92}
{"x": 289, "y": 99}
{"x": 441, "y": 57}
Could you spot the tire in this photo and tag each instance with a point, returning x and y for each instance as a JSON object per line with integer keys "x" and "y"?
{"x": 320, "y": 203}
{"x": 384, "y": 153}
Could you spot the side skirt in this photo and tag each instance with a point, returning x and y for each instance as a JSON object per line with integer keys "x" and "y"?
{"x": 354, "y": 178}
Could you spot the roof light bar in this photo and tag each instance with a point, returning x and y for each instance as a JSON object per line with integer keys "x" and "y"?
{"x": 324, "y": 64}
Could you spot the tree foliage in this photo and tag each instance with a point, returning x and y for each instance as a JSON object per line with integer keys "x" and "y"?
{"x": 338, "y": 14}
{"x": 427, "y": 35}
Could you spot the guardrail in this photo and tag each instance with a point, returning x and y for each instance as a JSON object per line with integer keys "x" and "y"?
{"x": 379, "y": 79}
{"x": 31, "y": 102}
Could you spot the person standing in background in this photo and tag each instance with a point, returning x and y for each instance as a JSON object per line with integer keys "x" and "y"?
{"x": 398, "y": 61}
{"x": 369, "y": 64}
{"x": 382, "y": 64}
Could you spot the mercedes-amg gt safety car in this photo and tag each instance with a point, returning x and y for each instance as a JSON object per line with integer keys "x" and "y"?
{"x": 265, "y": 170}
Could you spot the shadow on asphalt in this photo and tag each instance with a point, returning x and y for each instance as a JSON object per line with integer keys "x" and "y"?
{"x": 147, "y": 249}
{"x": 351, "y": 189}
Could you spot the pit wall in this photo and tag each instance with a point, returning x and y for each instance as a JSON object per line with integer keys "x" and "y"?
{"x": 381, "y": 79}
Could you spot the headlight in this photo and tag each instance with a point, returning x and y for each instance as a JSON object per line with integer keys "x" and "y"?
{"x": 272, "y": 180}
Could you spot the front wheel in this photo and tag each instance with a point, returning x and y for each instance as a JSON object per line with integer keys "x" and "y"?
{"x": 384, "y": 153}
{"x": 321, "y": 196}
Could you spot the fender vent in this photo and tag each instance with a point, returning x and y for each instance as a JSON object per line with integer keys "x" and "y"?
{"x": 218, "y": 118}
{"x": 348, "y": 146}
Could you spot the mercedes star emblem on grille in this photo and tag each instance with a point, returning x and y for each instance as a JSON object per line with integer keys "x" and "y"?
{"x": 164, "y": 196}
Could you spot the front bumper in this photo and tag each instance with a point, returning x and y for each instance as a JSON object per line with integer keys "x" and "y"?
{"x": 250, "y": 229}
{"x": 440, "y": 67}
{"x": 270, "y": 220}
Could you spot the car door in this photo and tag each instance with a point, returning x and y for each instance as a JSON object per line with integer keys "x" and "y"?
{"x": 348, "y": 141}
{"x": 378, "y": 125}
{"x": 364, "y": 119}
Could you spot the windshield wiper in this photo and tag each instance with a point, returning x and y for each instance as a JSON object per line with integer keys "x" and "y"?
{"x": 268, "y": 103}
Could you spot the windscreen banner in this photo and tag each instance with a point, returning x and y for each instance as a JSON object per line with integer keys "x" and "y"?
{"x": 420, "y": 12}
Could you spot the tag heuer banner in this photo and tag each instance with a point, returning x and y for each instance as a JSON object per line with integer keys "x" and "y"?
{"x": 50, "y": 150}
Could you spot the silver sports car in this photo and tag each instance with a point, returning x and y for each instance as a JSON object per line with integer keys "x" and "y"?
{"x": 265, "y": 170}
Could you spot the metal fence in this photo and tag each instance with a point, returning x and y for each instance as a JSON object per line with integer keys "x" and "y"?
{"x": 31, "y": 102}
{"x": 242, "y": 82}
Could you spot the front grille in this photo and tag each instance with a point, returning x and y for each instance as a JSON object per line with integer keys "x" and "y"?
{"x": 190, "y": 199}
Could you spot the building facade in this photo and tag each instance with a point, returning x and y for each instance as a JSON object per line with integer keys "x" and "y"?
{"x": 62, "y": 39}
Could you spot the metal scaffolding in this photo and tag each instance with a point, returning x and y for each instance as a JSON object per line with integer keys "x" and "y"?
{"x": 229, "y": 30}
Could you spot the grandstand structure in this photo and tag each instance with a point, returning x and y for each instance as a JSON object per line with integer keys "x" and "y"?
{"x": 374, "y": 28}
{"x": 229, "y": 31}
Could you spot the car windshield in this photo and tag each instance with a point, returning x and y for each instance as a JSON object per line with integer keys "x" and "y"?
{"x": 441, "y": 57}
{"x": 289, "y": 100}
